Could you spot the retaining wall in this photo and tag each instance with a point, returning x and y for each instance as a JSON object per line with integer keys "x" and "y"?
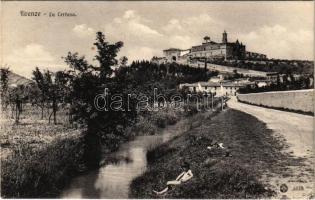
{"x": 294, "y": 100}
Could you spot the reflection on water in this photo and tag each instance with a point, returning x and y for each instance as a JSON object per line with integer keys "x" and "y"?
{"x": 112, "y": 180}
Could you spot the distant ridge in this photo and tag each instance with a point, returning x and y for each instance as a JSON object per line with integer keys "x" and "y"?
{"x": 15, "y": 79}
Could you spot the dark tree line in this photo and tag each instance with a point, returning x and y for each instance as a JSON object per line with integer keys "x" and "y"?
{"x": 13, "y": 96}
{"x": 52, "y": 91}
{"x": 4, "y": 78}
{"x": 280, "y": 66}
{"x": 288, "y": 83}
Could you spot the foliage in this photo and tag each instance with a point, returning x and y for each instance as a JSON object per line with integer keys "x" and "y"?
{"x": 4, "y": 78}
{"x": 272, "y": 65}
{"x": 28, "y": 172}
{"x": 140, "y": 78}
{"x": 54, "y": 89}
{"x": 37, "y": 158}
{"x": 215, "y": 174}
{"x": 88, "y": 81}
{"x": 288, "y": 83}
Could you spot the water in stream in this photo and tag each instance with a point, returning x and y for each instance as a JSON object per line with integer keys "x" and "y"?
{"x": 112, "y": 180}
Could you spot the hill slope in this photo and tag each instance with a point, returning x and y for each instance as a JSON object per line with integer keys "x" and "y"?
{"x": 15, "y": 79}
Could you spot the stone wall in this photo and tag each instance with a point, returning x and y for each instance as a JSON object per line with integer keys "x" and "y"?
{"x": 295, "y": 100}
{"x": 239, "y": 70}
{"x": 223, "y": 68}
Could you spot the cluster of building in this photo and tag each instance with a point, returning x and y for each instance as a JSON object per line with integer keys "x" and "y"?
{"x": 218, "y": 86}
{"x": 228, "y": 52}
{"x": 209, "y": 50}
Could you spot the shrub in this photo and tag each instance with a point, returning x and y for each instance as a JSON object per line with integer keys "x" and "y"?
{"x": 145, "y": 126}
{"x": 30, "y": 173}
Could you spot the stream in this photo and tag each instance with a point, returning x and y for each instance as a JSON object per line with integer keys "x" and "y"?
{"x": 112, "y": 180}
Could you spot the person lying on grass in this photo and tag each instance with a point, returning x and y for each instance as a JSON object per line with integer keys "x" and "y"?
{"x": 183, "y": 177}
{"x": 219, "y": 146}
{"x": 216, "y": 145}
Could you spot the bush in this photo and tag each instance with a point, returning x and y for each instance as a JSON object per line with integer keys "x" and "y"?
{"x": 190, "y": 109}
{"x": 30, "y": 173}
{"x": 160, "y": 120}
{"x": 144, "y": 126}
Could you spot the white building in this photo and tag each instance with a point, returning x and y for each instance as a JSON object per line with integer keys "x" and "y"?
{"x": 218, "y": 88}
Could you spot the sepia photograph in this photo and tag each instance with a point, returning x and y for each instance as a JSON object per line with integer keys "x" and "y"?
{"x": 157, "y": 99}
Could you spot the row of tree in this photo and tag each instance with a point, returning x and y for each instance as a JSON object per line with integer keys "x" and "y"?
{"x": 285, "y": 67}
{"x": 49, "y": 91}
{"x": 287, "y": 83}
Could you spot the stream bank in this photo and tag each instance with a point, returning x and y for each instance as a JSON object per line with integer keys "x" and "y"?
{"x": 253, "y": 149}
{"x": 119, "y": 168}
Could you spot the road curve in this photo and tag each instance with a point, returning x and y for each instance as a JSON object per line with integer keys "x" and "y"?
{"x": 297, "y": 129}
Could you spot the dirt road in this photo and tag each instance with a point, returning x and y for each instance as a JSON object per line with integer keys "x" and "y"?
{"x": 297, "y": 130}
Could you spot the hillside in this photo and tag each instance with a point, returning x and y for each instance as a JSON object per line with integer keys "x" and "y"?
{"x": 15, "y": 79}
{"x": 280, "y": 66}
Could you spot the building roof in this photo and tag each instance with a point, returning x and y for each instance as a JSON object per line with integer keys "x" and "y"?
{"x": 210, "y": 42}
{"x": 271, "y": 73}
{"x": 215, "y": 43}
{"x": 172, "y": 49}
{"x": 158, "y": 58}
{"x": 264, "y": 80}
{"x": 216, "y": 84}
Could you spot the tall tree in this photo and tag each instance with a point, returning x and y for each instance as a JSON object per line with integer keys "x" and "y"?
{"x": 38, "y": 77}
{"x": 107, "y": 54}
{"x": 88, "y": 82}
{"x": 4, "y": 79}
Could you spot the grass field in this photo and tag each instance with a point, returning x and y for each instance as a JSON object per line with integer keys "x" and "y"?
{"x": 254, "y": 151}
{"x": 32, "y": 130}
{"x": 37, "y": 157}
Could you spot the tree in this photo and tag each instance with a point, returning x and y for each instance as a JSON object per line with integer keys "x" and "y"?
{"x": 54, "y": 90}
{"x": 106, "y": 56}
{"x": 42, "y": 85}
{"x": 17, "y": 94}
{"x": 89, "y": 81}
{"x": 4, "y": 79}
{"x": 123, "y": 61}
{"x": 59, "y": 91}
{"x": 52, "y": 94}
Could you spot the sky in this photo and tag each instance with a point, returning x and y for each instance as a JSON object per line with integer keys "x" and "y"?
{"x": 279, "y": 29}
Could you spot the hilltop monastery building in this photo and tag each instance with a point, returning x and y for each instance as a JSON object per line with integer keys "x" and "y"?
{"x": 210, "y": 50}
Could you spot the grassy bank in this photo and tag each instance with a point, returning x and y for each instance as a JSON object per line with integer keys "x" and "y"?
{"x": 148, "y": 123}
{"x": 37, "y": 157}
{"x": 253, "y": 148}
{"x": 30, "y": 173}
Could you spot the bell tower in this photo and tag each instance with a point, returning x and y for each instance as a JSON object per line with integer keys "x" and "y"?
{"x": 224, "y": 37}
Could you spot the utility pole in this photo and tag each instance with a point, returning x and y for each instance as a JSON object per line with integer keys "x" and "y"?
{"x": 212, "y": 101}
{"x": 222, "y": 102}
{"x": 221, "y": 95}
